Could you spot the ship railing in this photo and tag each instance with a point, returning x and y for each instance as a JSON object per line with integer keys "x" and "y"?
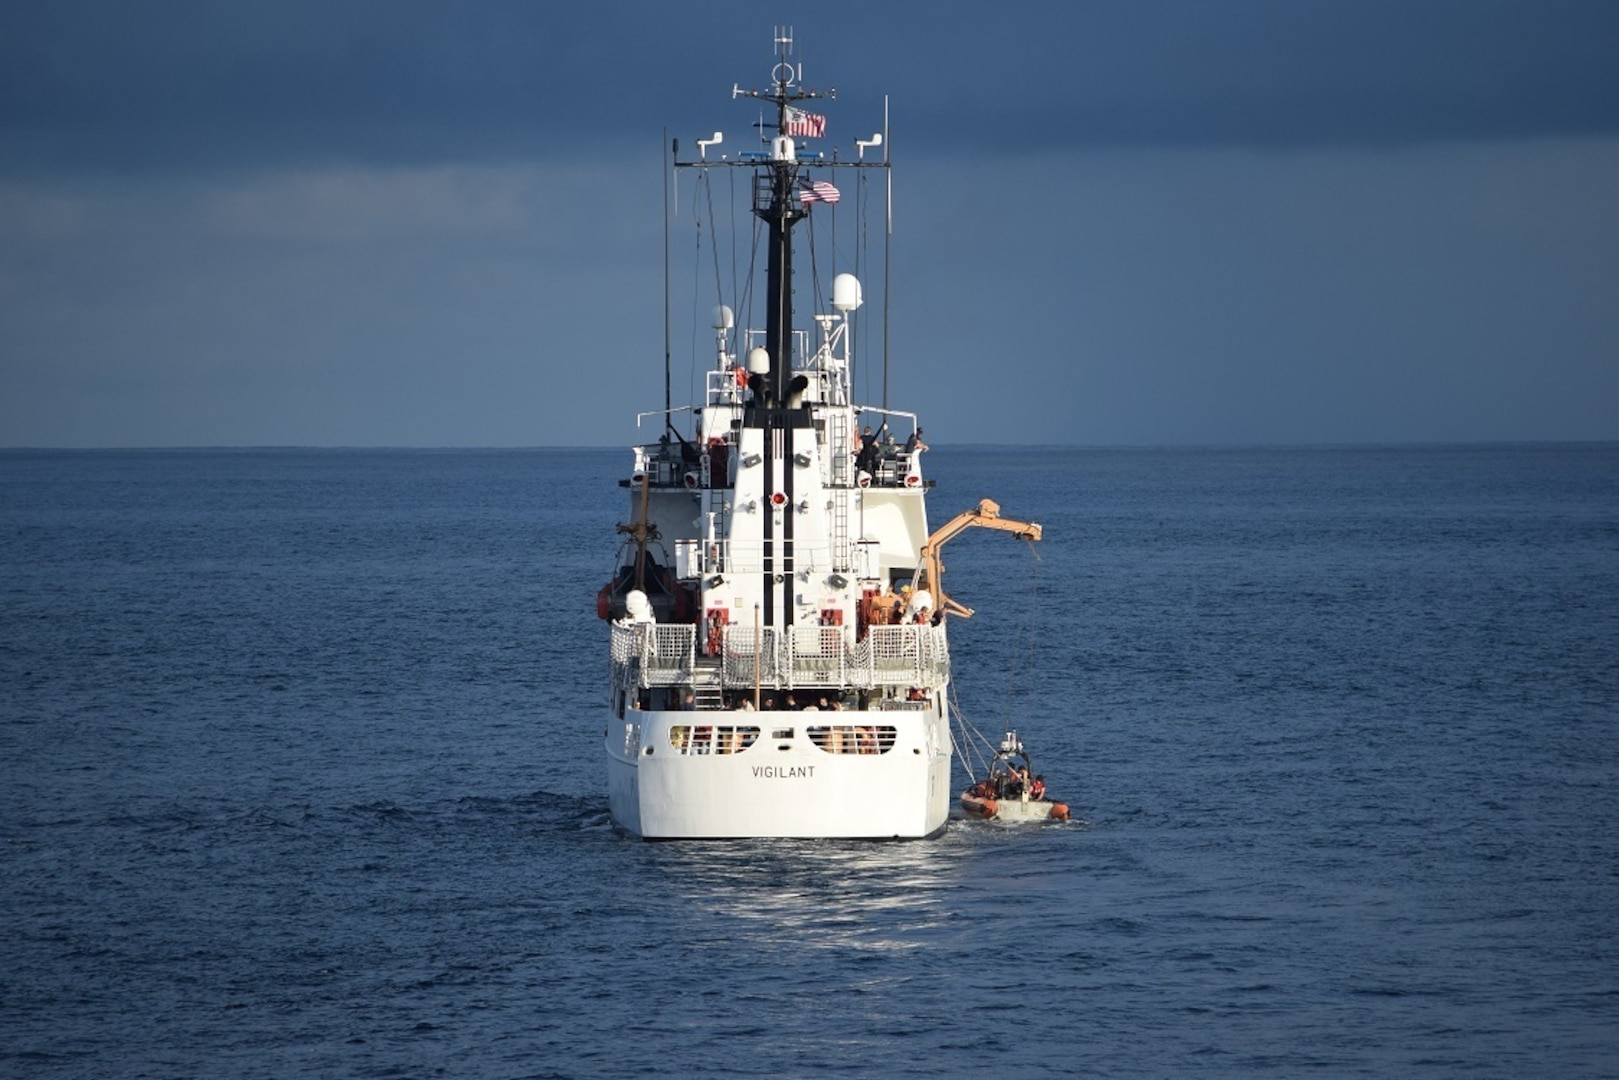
{"x": 748, "y": 556}
{"x": 723, "y": 388}
{"x": 750, "y": 654}
{"x": 917, "y": 657}
{"x": 831, "y": 656}
{"x": 650, "y": 654}
{"x": 754, "y": 338}
{"x": 818, "y": 655}
{"x": 914, "y": 655}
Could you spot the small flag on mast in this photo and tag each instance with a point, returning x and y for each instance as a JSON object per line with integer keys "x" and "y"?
{"x": 819, "y": 191}
{"x": 804, "y": 125}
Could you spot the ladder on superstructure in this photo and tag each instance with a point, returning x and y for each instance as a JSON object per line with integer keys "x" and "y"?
{"x": 842, "y": 475}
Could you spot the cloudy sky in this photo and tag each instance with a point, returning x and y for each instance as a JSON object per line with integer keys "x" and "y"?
{"x": 1184, "y": 221}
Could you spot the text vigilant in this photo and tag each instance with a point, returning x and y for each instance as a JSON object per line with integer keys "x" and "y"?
{"x": 783, "y": 772}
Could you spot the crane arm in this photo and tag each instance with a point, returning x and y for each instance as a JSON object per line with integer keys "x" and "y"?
{"x": 986, "y": 515}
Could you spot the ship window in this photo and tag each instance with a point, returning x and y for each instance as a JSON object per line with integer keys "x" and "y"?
{"x": 853, "y": 738}
{"x": 711, "y": 739}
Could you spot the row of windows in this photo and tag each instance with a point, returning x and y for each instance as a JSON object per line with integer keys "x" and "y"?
{"x": 711, "y": 739}
{"x": 853, "y": 739}
{"x": 731, "y": 739}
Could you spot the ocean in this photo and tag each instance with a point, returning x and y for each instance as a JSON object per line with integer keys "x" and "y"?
{"x": 301, "y": 774}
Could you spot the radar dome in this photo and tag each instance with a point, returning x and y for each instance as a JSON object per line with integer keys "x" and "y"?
{"x": 724, "y": 318}
{"x": 758, "y": 361}
{"x": 846, "y": 292}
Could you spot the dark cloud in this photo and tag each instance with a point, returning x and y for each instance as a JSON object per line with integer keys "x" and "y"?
{"x": 413, "y": 223}
{"x": 164, "y": 85}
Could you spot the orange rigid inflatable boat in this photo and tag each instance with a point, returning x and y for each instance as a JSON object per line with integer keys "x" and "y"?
{"x": 1012, "y": 790}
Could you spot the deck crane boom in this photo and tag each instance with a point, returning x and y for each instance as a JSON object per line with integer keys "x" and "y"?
{"x": 987, "y": 514}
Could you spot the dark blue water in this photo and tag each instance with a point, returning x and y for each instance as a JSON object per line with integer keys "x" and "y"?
{"x": 300, "y": 773}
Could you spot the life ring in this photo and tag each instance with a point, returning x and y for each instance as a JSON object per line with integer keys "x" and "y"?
{"x": 691, "y": 480}
{"x": 912, "y": 479}
{"x": 862, "y": 478}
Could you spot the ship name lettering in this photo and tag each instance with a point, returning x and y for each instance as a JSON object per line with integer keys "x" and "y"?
{"x": 783, "y": 772}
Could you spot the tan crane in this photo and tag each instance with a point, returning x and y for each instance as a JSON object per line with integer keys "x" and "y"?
{"x": 987, "y": 515}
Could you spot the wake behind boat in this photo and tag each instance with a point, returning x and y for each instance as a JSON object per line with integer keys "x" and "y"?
{"x": 779, "y": 658}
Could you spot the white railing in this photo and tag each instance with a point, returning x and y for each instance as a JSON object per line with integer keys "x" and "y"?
{"x": 743, "y": 655}
{"x": 649, "y": 654}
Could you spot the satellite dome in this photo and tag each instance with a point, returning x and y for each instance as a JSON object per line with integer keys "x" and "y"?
{"x": 846, "y": 292}
{"x": 758, "y": 361}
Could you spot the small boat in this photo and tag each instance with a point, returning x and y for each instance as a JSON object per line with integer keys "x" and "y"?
{"x": 1011, "y": 790}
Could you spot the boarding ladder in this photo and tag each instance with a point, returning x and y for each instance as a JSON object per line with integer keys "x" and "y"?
{"x": 842, "y": 478}
{"x": 705, "y": 684}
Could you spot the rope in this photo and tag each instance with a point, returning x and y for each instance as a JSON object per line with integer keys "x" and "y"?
{"x": 965, "y": 746}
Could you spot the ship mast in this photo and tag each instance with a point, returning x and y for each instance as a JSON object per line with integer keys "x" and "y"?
{"x": 776, "y": 406}
{"x": 776, "y": 203}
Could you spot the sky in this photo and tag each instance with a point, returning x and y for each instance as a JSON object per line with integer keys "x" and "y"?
{"x": 1142, "y": 223}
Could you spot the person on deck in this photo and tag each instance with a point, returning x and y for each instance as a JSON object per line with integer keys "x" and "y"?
{"x": 866, "y": 457}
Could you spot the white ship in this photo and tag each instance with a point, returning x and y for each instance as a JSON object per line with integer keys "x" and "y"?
{"x": 779, "y": 656}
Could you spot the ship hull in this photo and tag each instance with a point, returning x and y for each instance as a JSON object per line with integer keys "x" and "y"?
{"x": 784, "y": 784}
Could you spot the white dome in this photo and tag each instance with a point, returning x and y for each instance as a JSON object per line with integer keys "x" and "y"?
{"x": 846, "y": 295}
{"x": 724, "y": 318}
{"x": 637, "y": 608}
{"x": 758, "y": 360}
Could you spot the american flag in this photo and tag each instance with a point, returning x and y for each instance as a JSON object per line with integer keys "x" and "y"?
{"x": 819, "y": 191}
{"x": 804, "y": 125}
